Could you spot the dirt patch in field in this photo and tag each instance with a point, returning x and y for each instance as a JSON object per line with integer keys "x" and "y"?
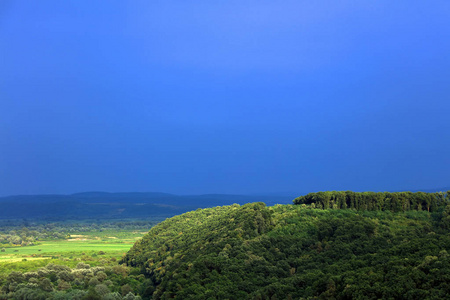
{"x": 77, "y": 237}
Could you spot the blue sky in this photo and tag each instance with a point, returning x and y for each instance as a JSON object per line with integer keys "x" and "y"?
{"x": 224, "y": 96}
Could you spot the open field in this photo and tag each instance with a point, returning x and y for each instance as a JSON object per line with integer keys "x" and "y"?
{"x": 78, "y": 246}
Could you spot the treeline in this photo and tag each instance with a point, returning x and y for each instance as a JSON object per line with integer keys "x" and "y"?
{"x": 383, "y": 201}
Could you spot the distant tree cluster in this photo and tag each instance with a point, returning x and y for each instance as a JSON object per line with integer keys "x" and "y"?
{"x": 385, "y": 201}
{"x": 25, "y": 237}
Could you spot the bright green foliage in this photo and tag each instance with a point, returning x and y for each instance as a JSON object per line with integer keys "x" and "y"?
{"x": 61, "y": 282}
{"x": 399, "y": 201}
{"x": 294, "y": 251}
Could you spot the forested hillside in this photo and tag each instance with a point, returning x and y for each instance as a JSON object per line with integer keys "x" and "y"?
{"x": 297, "y": 252}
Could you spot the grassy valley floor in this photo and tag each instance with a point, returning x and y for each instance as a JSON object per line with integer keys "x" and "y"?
{"x": 81, "y": 246}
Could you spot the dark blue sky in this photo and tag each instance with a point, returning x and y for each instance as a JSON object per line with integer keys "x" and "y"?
{"x": 224, "y": 96}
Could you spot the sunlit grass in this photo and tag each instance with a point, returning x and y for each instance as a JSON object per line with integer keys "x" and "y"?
{"x": 107, "y": 243}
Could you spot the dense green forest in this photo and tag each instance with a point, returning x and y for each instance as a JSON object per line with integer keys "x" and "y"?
{"x": 296, "y": 252}
{"x": 398, "y": 201}
{"x": 306, "y": 251}
{"x": 105, "y": 280}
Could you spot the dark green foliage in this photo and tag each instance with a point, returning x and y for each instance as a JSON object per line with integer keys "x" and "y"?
{"x": 292, "y": 252}
{"x": 399, "y": 201}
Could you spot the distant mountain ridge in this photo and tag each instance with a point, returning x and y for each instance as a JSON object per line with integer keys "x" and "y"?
{"x": 105, "y": 205}
{"x": 122, "y": 194}
{"x": 444, "y": 189}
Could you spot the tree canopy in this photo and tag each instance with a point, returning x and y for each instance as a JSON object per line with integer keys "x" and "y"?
{"x": 296, "y": 252}
{"x": 397, "y": 201}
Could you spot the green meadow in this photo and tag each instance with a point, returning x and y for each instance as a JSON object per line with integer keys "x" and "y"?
{"x": 90, "y": 247}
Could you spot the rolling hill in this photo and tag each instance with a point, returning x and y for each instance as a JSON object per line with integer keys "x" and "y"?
{"x": 296, "y": 252}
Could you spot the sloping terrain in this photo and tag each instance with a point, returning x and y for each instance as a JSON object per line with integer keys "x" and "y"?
{"x": 296, "y": 252}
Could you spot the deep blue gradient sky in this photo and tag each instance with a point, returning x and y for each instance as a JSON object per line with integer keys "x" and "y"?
{"x": 224, "y": 96}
